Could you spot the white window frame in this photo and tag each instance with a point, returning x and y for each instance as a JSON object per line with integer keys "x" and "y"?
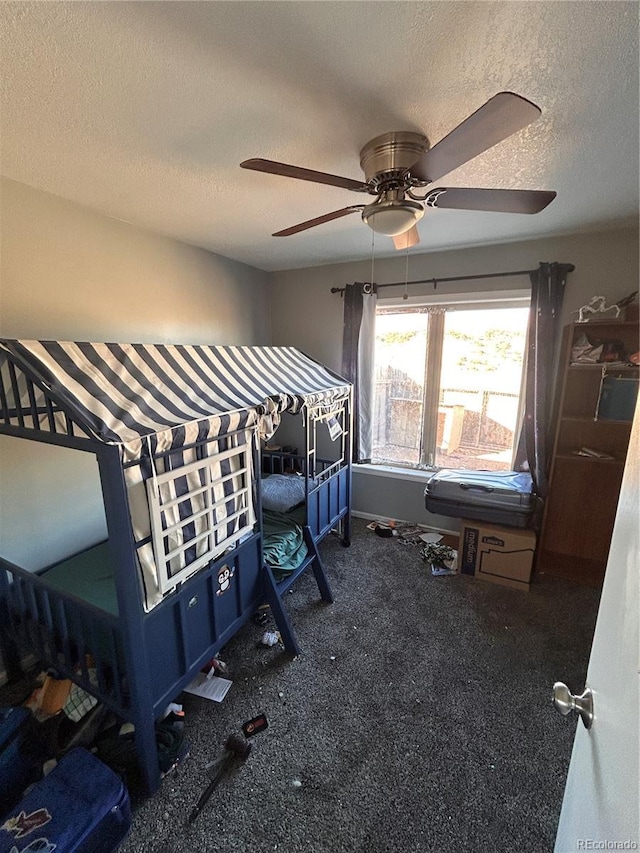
{"x": 516, "y": 298}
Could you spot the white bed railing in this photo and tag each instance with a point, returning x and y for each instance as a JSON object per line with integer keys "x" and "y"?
{"x": 206, "y": 505}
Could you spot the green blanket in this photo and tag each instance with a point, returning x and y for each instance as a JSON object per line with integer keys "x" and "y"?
{"x": 283, "y": 544}
{"x": 88, "y": 575}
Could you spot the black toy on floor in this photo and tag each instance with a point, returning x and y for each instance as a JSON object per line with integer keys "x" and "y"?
{"x": 237, "y": 749}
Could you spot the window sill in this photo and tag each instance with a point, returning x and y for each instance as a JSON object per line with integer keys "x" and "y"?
{"x": 395, "y": 472}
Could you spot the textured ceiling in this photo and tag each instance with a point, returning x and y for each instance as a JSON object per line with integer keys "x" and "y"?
{"x": 143, "y": 111}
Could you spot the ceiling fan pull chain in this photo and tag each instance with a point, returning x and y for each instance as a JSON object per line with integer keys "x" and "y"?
{"x": 373, "y": 253}
{"x": 406, "y": 275}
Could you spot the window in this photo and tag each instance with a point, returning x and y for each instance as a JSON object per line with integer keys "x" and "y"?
{"x": 448, "y": 382}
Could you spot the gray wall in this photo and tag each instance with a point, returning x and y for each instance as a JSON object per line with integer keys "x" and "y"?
{"x": 307, "y": 315}
{"x": 68, "y": 273}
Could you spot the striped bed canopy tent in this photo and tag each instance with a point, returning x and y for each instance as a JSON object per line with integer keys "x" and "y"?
{"x": 122, "y": 393}
{"x": 165, "y": 406}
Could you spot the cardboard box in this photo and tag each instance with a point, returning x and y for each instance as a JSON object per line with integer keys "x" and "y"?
{"x": 501, "y": 555}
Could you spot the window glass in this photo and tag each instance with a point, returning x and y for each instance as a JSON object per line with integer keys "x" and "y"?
{"x": 466, "y": 413}
{"x": 400, "y": 353}
{"x": 480, "y": 383}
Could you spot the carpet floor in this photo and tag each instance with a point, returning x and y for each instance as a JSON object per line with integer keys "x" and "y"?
{"x": 417, "y": 719}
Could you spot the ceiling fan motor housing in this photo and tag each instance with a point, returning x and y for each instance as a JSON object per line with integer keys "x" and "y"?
{"x": 388, "y": 157}
{"x": 385, "y": 162}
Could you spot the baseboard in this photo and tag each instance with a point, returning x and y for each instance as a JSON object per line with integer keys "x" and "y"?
{"x": 368, "y": 517}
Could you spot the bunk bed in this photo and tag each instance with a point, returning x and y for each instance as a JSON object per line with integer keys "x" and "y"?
{"x": 313, "y": 489}
{"x": 177, "y": 433}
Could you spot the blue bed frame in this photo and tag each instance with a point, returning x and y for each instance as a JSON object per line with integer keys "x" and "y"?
{"x": 327, "y": 504}
{"x": 142, "y": 660}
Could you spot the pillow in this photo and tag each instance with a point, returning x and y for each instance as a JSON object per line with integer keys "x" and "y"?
{"x": 282, "y": 492}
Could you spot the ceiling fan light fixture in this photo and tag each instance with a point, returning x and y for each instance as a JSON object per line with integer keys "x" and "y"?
{"x": 392, "y": 217}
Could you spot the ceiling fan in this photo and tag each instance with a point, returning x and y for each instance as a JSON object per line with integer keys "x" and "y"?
{"x": 397, "y": 164}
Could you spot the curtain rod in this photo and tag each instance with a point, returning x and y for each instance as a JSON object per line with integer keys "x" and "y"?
{"x": 438, "y": 280}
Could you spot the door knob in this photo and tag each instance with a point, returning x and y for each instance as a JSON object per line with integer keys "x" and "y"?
{"x": 565, "y": 702}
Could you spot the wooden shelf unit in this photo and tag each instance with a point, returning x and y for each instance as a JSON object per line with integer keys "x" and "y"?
{"x": 583, "y": 491}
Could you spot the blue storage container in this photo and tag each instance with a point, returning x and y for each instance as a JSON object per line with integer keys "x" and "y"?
{"x": 19, "y": 763}
{"x": 80, "y": 807}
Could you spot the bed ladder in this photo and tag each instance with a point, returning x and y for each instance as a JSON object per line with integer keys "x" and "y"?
{"x": 275, "y": 591}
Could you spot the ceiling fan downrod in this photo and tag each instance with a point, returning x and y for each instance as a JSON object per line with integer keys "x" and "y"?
{"x": 386, "y": 159}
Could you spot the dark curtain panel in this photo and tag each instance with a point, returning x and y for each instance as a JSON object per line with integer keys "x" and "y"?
{"x": 547, "y": 292}
{"x": 353, "y": 308}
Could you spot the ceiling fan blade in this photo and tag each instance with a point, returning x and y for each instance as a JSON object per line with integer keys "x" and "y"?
{"x": 273, "y": 168}
{"x": 502, "y": 116}
{"x": 496, "y": 201}
{"x": 311, "y": 223}
{"x": 408, "y": 239}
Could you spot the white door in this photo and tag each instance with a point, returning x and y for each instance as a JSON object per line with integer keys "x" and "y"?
{"x": 601, "y": 807}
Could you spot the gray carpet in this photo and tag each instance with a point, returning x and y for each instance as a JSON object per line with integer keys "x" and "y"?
{"x": 418, "y": 718}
